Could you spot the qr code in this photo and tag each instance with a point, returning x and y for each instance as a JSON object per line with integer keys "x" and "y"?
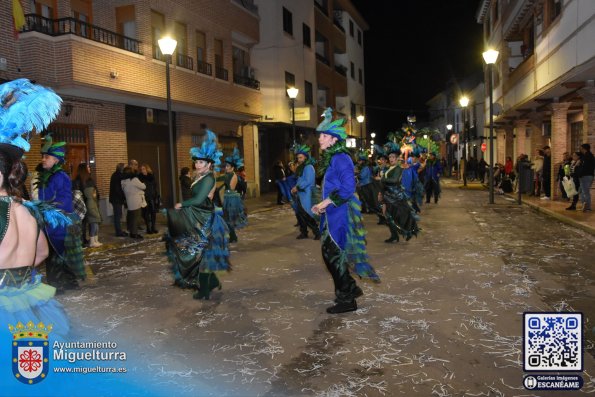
{"x": 553, "y": 341}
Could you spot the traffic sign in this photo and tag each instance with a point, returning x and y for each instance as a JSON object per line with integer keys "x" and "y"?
{"x": 484, "y": 147}
{"x": 454, "y": 138}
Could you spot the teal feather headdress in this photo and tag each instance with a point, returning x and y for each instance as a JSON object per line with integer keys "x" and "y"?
{"x": 302, "y": 149}
{"x": 208, "y": 150}
{"x": 380, "y": 152}
{"x": 391, "y": 147}
{"x": 330, "y": 127}
{"x": 24, "y": 108}
{"x": 58, "y": 149}
{"x": 235, "y": 160}
{"x": 362, "y": 155}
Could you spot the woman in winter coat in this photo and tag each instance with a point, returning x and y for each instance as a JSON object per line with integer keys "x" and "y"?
{"x": 134, "y": 190}
{"x": 151, "y": 197}
{"x": 85, "y": 183}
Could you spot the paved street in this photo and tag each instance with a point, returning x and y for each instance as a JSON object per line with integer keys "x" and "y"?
{"x": 446, "y": 319}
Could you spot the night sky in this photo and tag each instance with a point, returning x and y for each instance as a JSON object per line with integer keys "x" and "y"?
{"x": 433, "y": 41}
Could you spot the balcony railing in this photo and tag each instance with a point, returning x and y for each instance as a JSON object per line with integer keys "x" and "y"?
{"x": 246, "y": 81}
{"x": 184, "y": 61}
{"x": 221, "y": 73}
{"x": 63, "y": 26}
{"x": 204, "y": 68}
{"x": 248, "y": 4}
{"x": 321, "y": 7}
{"x": 322, "y": 59}
{"x": 342, "y": 70}
{"x": 338, "y": 24}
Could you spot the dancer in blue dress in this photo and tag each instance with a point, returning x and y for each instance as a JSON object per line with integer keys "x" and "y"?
{"x": 343, "y": 234}
{"x": 233, "y": 205}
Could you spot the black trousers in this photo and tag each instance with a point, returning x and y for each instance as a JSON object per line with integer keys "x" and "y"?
{"x": 306, "y": 220}
{"x": 345, "y": 286}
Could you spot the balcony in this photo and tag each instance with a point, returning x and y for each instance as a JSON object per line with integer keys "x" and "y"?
{"x": 184, "y": 61}
{"x": 323, "y": 59}
{"x": 248, "y": 5}
{"x": 221, "y": 73}
{"x": 246, "y": 81}
{"x": 204, "y": 68}
{"x": 64, "y": 26}
{"x": 321, "y": 7}
{"x": 342, "y": 70}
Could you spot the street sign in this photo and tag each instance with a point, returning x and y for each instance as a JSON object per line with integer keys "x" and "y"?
{"x": 484, "y": 147}
{"x": 302, "y": 114}
{"x": 454, "y": 138}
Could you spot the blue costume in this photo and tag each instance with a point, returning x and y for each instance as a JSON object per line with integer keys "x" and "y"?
{"x": 306, "y": 187}
{"x": 432, "y": 179}
{"x": 343, "y": 241}
{"x": 233, "y": 206}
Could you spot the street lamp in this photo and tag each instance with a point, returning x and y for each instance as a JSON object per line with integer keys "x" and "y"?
{"x": 373, "y": 135}
{"x": 490, "y": 57}
{"x": 293, "y": 92}
{"x": 167, "y": 45}
{"x": 464, "y": 101}
{"x": 449, "y": 146}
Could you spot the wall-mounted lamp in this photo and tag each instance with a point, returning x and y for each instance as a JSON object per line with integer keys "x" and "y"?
{"x": 114, "y": 74}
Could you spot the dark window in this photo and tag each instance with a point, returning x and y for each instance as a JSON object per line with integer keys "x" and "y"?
{"x": 352, "y": 70}
{"x": 359, "y": 37}
{"x": 289, "y": 81}
{"x": 576, "y": 136}
{"x": 306, "y": 33}
{"x": 360, "y": 76}
{"x": 309, "y": 98}
{"x": 351, "y": 28}
{"x": 287, "y": 21}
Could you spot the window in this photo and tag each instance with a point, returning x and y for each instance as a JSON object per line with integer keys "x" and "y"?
{"x": 576, "y": 136}
{"x": 306, "y": 36}
{"x": 289, "y": 81}
{"x": 351, "y": 28}
{"x": 546, "y": 129}
{"x": 201, "y": 47}
{"x": 359, "y": 37}
{"x": 287, "y": 21}
{"x": 360, "y": 76}
{"x": 308, "y": 94}
{"x": 241, "y": 62}
{"x": 126, "y": 26}
{"x": 218, "y": 53}
{"x": 157, "y": 30}
{"x": 352, "y": 70}
{"x": 182, "y": 37}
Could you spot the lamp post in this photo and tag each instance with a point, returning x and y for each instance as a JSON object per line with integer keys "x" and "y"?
{"x": 293, "y": 92}
{"x": 449, "y": 129}
{"x": 167, "y": 45}
{"x": 464, "y": 101}
{"x": 490, "y": 57}
{"x": 360, "y": 119}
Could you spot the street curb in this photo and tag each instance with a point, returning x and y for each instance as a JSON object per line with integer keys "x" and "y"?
{"x": 555, "y": 215}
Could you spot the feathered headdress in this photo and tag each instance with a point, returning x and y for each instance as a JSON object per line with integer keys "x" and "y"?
{"x": 208, "y": 150}
{"x": 330, "y": 127}
{"x": 24, "y": 108}
{"x": 391, "y": 147}
{"x": 302, "y": 149}
{"x": 235, "y": 160}
{"x": 380, "y": 152}
{"x": 58, "y": 149}
{"x": 362, "y": 155}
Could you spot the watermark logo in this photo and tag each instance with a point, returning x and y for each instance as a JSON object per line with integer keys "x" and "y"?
{"x": 30, "y": 351}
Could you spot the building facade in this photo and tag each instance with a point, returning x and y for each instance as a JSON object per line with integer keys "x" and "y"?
{"x": 103, "y": 59}
{"x": 543, "y": 80}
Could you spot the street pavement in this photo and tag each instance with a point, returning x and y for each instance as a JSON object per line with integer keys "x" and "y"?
{"x": 446, "y": 320}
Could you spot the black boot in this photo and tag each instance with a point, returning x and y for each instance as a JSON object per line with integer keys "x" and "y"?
{"x": 302, "y": 236}
{"x": 394, "y": 231}
{"x": 342, "y": 307}
{"x": 357, "y": 292}
{"x": 572, "y": 208}
{"x": 233, "y": 237}
{"x": 208, "y": 282}
{"x": 393, "y": 237}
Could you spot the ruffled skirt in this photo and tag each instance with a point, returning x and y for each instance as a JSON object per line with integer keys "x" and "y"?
{"x": 233, "y": 210}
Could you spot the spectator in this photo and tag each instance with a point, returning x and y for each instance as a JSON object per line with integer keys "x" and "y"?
{"x": 575, "y": 171}
{"x": 279, "y": 172}
{"x": 566, "y": 159}
{"x": 133, "y": 164}
{"x": 149, "y": 212}
{"x": 117, "y": 198}
{"x": 481, "y": 169}
{"x": 134, "y": 191}
{"x": 85, "y": 183}
{"x": 241, "y": 186}
{"x": 508, "y": 166}
{"x": 186, "y": 184}
{"x": 586, "y": 175}
{"x": 537, "y": 168}
{"x": 547, "y": 173}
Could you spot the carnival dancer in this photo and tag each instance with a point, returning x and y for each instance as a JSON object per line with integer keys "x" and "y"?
{"x": 432, "y": 179}
{"x": 66, "y": 262}
{"x": 233, "y": 206}
{"x": 343, "y": 234}
{"x": 304, "y": 189}
{"x": 410, "y": 181}
{"x": 23, "y": 244}
{"x": 197, "y": 236}
{"x": 400, "y": 216}
{"x": 367, "y": 193}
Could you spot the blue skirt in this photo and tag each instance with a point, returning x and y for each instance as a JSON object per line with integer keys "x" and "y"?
{"x": 233, "y": 210}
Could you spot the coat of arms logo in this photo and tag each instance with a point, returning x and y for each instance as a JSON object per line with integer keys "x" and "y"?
{"x": 30, "y": 351}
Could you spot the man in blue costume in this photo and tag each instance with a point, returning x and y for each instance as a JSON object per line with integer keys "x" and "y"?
{"x": 343, "y": 234}
{"x": 66, "y": 263}
{"x": 432, "y": 180}
{"x": 305, "y": 186}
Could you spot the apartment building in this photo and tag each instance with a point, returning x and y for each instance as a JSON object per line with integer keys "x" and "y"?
{"x": 543, "y": 80}
{"x": 103, "y": 59}
{"x": 317, "y": 47}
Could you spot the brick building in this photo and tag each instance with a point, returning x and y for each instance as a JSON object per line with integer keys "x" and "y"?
{"x": 102, "y": 58}
{"x": 543, "y": 80}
